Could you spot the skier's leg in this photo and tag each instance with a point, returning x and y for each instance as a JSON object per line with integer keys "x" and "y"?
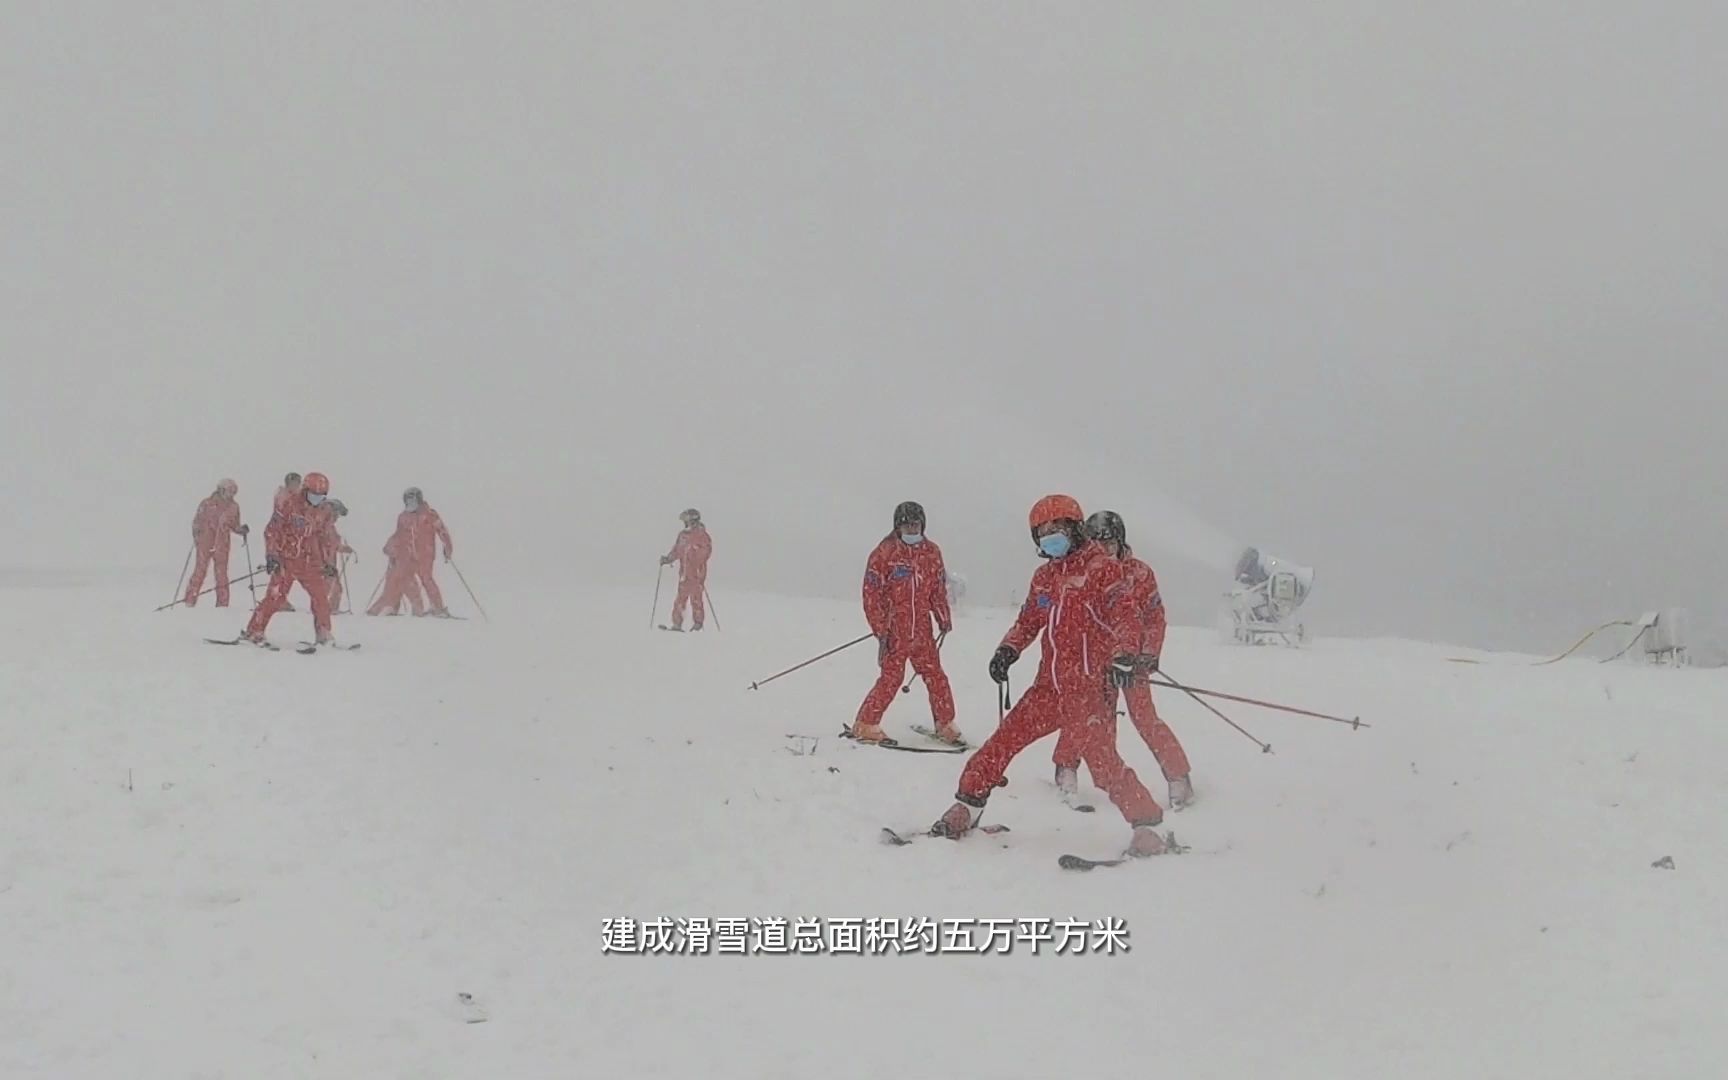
{"x": 1032, "y": 718}
{"x": 867, "y": 726}
{"x": 219, "y": 567}
{"x": 698, "y": 604}
{"x": 1110, "y": 772}
{"x": 411, "y": 589}
{"x": 927, "y": 662}
{"x": 679, "y": 602}
{"x": 1172, "y": 761}
{"x": 390, "y": 598}
{"x": 274, "y": 596}
{"x": 318, "y": 588}
{"x": 196, "y": 585}
{"x": 432, "y": 594}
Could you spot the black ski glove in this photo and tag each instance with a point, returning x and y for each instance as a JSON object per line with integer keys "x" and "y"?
{"x": 1148, "y": 663}
{"x": 1001, "y": 662}
{"x": 329, "y": 571}
{"x": 665, "y": 560}
{"x": 245, "y": 530}
{"x": 272, "y": 563}
{"x": 1122, "y": 671}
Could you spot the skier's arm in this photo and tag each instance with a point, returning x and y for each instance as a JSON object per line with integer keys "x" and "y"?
{"x": 876, "y": 594}
{"x": 939, "y": 602}
{"x": 1155, "y": 620}
{"x": 444, "y": 535}
{"x": 1033, "y": 616}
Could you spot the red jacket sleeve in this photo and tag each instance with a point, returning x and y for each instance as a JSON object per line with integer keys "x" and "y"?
{"x": 876, "y": 592}
{"x": 443, "y": 534}
{"x": 679, "y": 545}
{"x": 273, "y": 534}
{"x": 1153, "y": 618}
{"x": 939, "y": 590}
{"x": 1033, "y": 616}
{"x": 231, "y": 517}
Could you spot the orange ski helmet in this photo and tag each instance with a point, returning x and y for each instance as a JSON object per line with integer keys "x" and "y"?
{"x": 316, "y": 483}
{"x": 1055, "y": 508}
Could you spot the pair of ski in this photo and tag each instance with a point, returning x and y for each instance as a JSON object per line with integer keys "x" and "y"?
{"x": 305, "y": 648}
{"x": 679, "y": 629}
{"x": 1067, "y": 862}
{"x": 942, "y": 746}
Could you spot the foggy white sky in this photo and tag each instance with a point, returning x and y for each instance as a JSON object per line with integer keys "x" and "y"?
{"x": 1430, "y": 300}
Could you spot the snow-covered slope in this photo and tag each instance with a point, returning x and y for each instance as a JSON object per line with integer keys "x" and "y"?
{"x": 223, "y": 862}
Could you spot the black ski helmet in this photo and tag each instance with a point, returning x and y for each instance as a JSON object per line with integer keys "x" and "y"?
{"x": 691, "y": 517}
{"x": 1107, "y": 525}
{"x": 291, "y": 479}
{"x": 908, "y": 513}
{"x": 413, "y": 493}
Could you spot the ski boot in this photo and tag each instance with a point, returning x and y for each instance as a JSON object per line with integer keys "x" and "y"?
{"x": 1068, "y": 783}
{"x": 1181, "y": 793}
{"x": 869, "y": 733}
{"x": 1146, "y": 842}
{"x": 696, "y": 629}
{"x": 949, "y": 734}
{"x": 254, "y": 639}
{"x": 959, "y": 819}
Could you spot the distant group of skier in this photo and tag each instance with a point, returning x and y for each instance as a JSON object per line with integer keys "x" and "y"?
{"x": 1098, "y": 614}
{"x": 302, "y": 546}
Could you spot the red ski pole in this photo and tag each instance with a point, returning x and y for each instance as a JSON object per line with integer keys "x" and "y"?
{"x": 714, "y": 614}
{"x": 183, "y": 568}
{"x": 1355, "y": 722}
{"x": 812, "y": 660}
{"x": 1265, "y": 748}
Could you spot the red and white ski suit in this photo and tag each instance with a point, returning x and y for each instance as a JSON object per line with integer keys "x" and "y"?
{"x": 905, "y": 588}
{"x": 1076, "y": 608}
{"x": 301, "y": 537}
{"x": 1145, "y": 608}
{"x": 691, "y": 552}
{"x": 283, "y": 502}
{"x": 214, "y": 522}
{"x": 412, "y": 549}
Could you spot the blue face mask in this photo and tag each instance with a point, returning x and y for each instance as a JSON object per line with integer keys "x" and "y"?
{"x": 314, "y": 498}
{"x": 1055, "y": 545}
{"x": 911, "y": 538}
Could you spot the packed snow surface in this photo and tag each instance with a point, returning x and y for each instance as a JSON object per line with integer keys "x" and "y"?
{"x": 225, "y": 862}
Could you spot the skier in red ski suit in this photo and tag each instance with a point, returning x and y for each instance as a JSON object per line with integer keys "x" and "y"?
{"x": 301, "y": 538}
{"x": 340, "y": 509}
{"x": 1146, "y": 609}
{"x": 412, "y": 549}
{"x": 217, "y": 518}
{"x": 905, "y": 587}
{"x": 1076, "y": 603}
{"x": 281, "y": 505}
{"x": 691, "y": 552}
